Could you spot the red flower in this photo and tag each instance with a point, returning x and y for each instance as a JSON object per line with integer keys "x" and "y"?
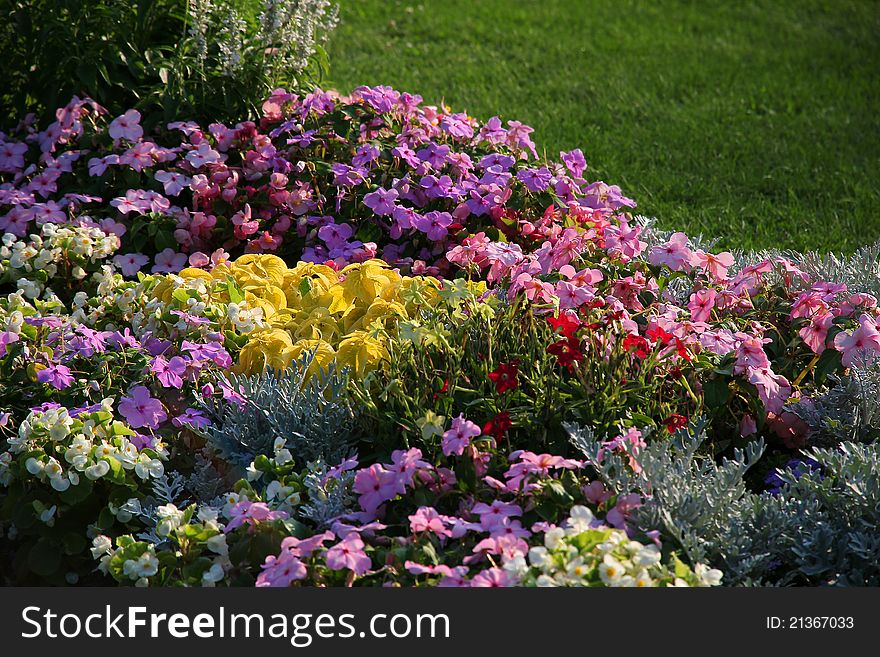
{"x": 682, "y": 350}
{"x": 657, "y": 334}
{"x": 637, "y": 345}
{"x": 505, "y": 376}
{"x": 498, "y": 426}
{"x": 566, "y": 323}
{"x": 568, "y": 352}
{"x": 675, "y": 422}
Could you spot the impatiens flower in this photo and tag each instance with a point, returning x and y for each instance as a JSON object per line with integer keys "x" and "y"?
{"x": 58, "y": 376}
{"x": 169, "y": 261}
{"x": 675, "y": 422}
{"x": 127, "y": 126}
{"x": 349, "y": 554}
{"x": 505, "y": 376}
{"x": 701, "y": 304}
{"x": 7, "y": 338}
{"x": 202, "y": 155}
{"x": 173, "y": 182}
{"x": 130, "y": 263}
{"x": 426, "y": 519}
{"x": 714, "y": 265}
{"x": 381, "y": 202}
{"x": 566, "y": 323}
{"x": 458, "y": 437}
{"x": 140, "y": 409}
{"x": 169, "y": 372}
{"x": 863, "y": 343}
{"x": 281, "y": 571}
{"x": 675, "y": 254}
{"x": 773, "y": 389}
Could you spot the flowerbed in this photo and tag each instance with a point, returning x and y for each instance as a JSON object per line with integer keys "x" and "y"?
{"x": 367, "y": 341}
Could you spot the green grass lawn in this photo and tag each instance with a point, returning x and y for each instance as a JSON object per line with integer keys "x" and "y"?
{"x": 752, "y": 121}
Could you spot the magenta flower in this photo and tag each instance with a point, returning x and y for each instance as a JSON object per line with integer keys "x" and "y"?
{"x": 376, "y": 485}
{"x": 252, "y": 513}
{"x": 493, "y": 578}
{"x": 349, "y": 554}
{"x": 434, "y": 224}
{"x": 773, "y": 389}
{"x": 714, "y": 265}
{"x": 127, "y": 126}
{"x": 140, "y": 409}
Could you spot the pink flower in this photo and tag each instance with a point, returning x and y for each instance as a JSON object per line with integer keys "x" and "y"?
{"x": 675, "y": 254}
{"x": 458, "y": 437}
{"x": 251, "y": 513}
{"x": 376, "y": 486}
{"x": 773, "y": 389}
{"x": 747, "y": 426}
{"x": 493, "y": 578}
{"x": 127, "y": 126}
{"x": 750, "y": 353}
{"x": 816, "y": 332}
{"x": 140, "y": 409}
{"x": 130, "y": 263}
{"x": 714, "y": 265}
{"x": 701, "y": 304}
{"x": 169, "y": 262}
{"x": 173, "y": 182}
{"x": 426, "y": 519}
{"x": 280, "y": 571}
{"x": 7, "y": 338}
{"x": 349, "y": 554}
{"x": 861, "y": 343}
{"x": 202, "y": 155}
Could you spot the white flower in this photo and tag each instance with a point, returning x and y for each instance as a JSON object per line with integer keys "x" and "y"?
{"x": 554, "y": 537}
{"x": 100, "y": 545}
{"x": 34, "y": 466}
{"x": 577, "y": 568}
{"x": 252, "y": 473}
{"x": 539, "y": 556}
{"x": 146, "y": 565}
{"x": 97, "y": 470}
{"x": 283, "y": 456}
{"x": 545, "y": 581}
{"x": 147, "y": 467}
{"x": 708, "y": 576}
{"x": 644, "y": 580}
{"x": 213, "y": 575}
{"x": 580, "y": 520}
{"x": 647, "y": 556}
{"x": 218, "y": 545}
{"x": 611, "y": 571}
{"x": 48, "y": 515}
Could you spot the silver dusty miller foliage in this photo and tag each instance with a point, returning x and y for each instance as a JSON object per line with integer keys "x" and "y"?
{"x": 311, "y": 414}
{"x": 822, "y": 528}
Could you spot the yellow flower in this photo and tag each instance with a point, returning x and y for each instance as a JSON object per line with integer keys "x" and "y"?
{"x": 361, "y": 352}
{"x": 272, "y": 348}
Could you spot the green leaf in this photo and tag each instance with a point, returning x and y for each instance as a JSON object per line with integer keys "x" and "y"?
{"x": 716, "y": 392}
{"x": 44, "y": 558}
{"x": 829, "y": 363}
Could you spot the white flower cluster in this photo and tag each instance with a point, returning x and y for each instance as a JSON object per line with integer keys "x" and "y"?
{"x": 70, "y": 447}
{"x": 584, "y": 553}
{"x": 39, "y": 258}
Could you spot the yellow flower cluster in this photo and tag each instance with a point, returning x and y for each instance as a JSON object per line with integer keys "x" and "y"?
{"x": 349, "y": 315}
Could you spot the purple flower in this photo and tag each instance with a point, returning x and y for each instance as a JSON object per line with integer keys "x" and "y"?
{"x": 7, "y": 338}
{"x": 169, "y": 372}
{"x": 191, "y": 417}
{"x": 575, "y": 162}
{"x": 58, "y": 376}
{"x": 434, "y": 224}
{"x": 140, "y": 409}
{"x": 536, "y": 180}
{"x": 346, "y": 176}
{"x": 381, "y": 202}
